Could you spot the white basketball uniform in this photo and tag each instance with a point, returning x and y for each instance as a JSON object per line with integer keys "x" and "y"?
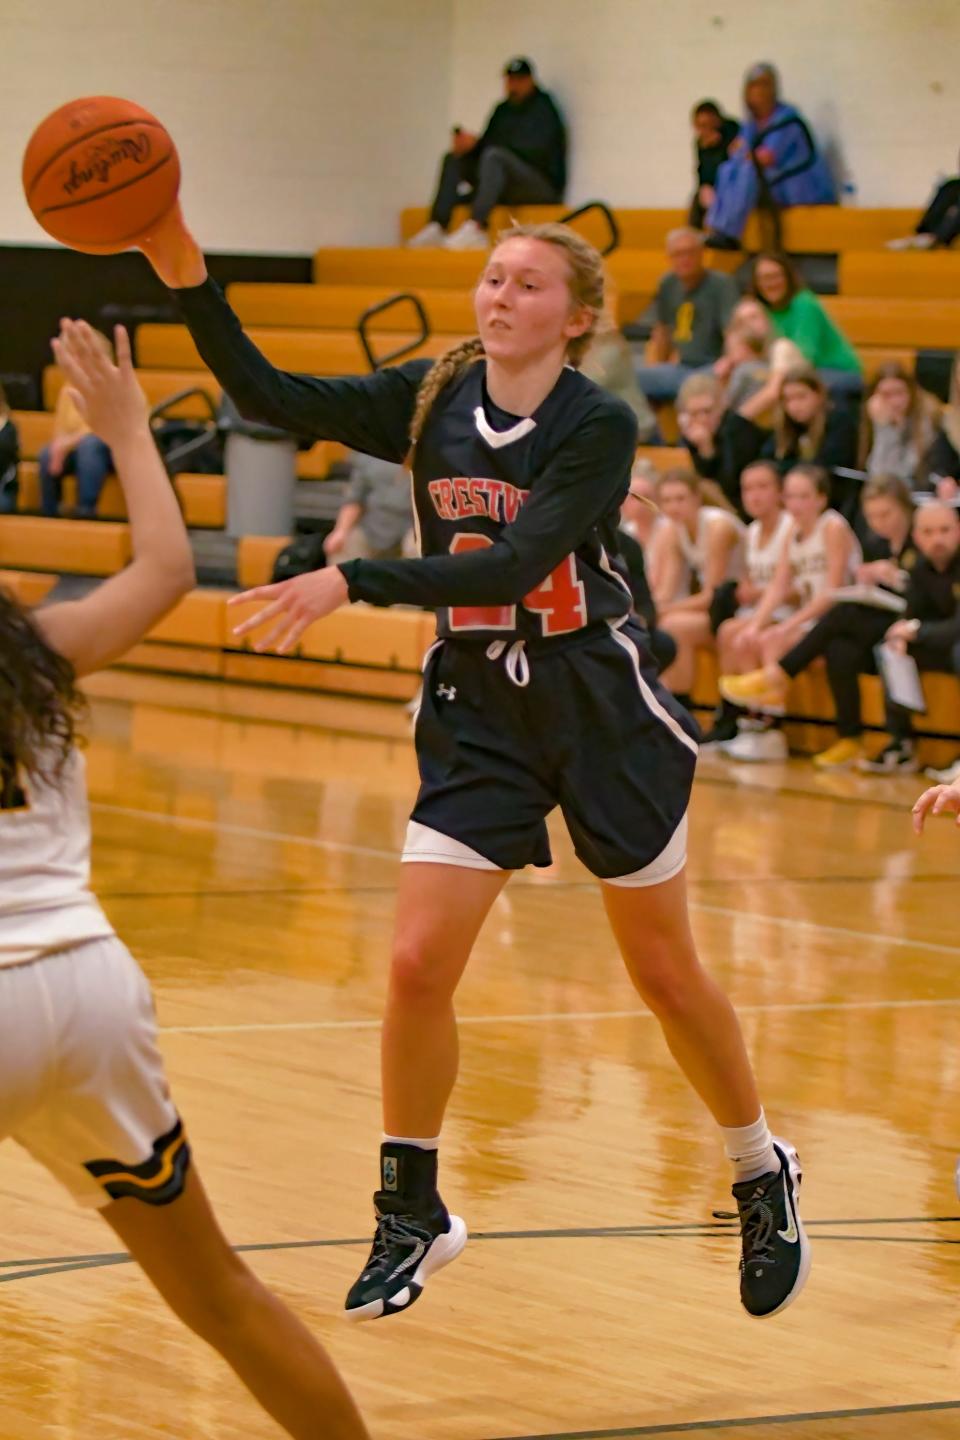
{"x": 82, "y": 1086}
{"x": 808, "y": 558}
{"x": 694, "y": 549}
{"x": 762, "y": 559}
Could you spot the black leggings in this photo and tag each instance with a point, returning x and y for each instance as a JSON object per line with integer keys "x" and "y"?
{"x": 845, "y": 637}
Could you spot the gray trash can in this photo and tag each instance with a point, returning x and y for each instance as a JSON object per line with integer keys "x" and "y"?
{"x": 261, "y": 468}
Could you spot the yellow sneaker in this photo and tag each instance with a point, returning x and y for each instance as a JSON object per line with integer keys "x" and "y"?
{"x": 841, "y": 755}
{"x": 753, "y": 692}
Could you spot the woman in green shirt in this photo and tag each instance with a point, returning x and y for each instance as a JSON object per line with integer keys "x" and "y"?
{"x": 798, "y": 315}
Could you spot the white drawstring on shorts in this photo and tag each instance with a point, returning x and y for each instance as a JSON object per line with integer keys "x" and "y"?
{"x": 516, "y": 663}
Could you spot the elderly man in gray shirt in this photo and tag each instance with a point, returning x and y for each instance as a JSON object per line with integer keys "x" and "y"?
{"x": 375, "y": 521}
{"x": 693, "y": 308}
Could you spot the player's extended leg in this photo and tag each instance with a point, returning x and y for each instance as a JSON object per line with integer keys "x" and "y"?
{"x": 183, "y": 1252}
{"x": 440, "y": 909}
{"x": 652, "y": 928}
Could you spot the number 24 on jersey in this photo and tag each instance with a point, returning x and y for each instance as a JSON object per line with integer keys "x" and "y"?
{"x": 559, "y": 601}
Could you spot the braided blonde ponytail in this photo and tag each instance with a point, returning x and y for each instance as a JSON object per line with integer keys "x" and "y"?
{"x": 439, "y": 375}
{"x": 586, "y": 289}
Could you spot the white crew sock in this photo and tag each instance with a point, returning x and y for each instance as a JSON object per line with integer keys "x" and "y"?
{"x": 750, "y": 1147}
{"x": 433, "y": 1144}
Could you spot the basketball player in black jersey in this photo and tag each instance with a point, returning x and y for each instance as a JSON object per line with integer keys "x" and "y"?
{"x": 540, "y": 692}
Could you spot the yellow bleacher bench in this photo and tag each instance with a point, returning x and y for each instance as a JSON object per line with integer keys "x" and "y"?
{"x": 157, "y": 385}
{"x": 900, "y": 275}
{"x": 75, "y": 547}
{"x": 29, "y": 587}
{"x": 339, "y": 307}
{"x": 918, "y": 324}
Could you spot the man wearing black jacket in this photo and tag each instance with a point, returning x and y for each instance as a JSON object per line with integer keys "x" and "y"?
{"x": 520, "y": 159}
{"x": 930, "y": 629}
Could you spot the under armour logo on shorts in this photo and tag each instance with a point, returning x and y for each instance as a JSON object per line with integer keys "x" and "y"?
{"x": 447, "y": 692}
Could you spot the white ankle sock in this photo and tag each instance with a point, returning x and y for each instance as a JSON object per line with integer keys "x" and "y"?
{"x": 750, "y": 1147}
{"x": 433, "y": 1144}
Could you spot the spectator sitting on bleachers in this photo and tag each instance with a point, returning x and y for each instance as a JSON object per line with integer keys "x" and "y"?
{"x": 775, "y": 154}
{"x": 609, "y": 363}
{"x": 943, "y": 461}
{"x": 693, "y": 309}
{"x": 736, "y": 601}
{"x": 821, "y": 554}
{"x": 375, "y": 521}
{"x": 899, "y": 427}
{"x": 807, "y": 427}
{"x": 703, "y": 548}
{"x": 847, "y": 634}
{"x": 74, "y": 450}
{"x": 930, "y": 628}
{"x": 721, "y": 440}
{"x": 798, "y": 315}
{"x": 9, "y": 459}
{"x": 715, "y": 133}
{"x": 939, "y": 224}
{"x": 520, "y": 159}
{"x": 754, "y": 355}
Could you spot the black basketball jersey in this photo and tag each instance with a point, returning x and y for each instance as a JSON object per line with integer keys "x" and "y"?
{"x": 518, "y": 516}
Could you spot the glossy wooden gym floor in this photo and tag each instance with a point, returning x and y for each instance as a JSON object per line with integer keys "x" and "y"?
{"x": 248, "y": 857}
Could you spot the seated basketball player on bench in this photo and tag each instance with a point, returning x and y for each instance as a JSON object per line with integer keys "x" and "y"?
{"x": 846, "y": 635}
{"x": 520, "y": 159}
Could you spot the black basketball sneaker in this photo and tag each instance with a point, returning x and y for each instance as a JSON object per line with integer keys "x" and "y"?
{"x": 415, "y": 1236}
{"x": 775, "y": 1253}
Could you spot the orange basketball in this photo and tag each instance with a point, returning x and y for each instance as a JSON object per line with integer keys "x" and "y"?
{"x": 100, "y": 172}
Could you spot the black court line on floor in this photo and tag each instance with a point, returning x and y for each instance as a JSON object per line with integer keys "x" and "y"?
{"x": 29, "y": 1268}
{"x": 693, "y": 1427}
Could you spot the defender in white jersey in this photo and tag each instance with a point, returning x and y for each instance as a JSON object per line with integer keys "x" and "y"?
{"x": 82, "y": 1087}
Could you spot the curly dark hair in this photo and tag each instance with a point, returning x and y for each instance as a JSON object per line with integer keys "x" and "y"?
{"x": 40, "y": 703}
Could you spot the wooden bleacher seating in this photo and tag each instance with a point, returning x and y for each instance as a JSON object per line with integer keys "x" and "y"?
{"x": 339, "y": 307}
{"x": 919, "y": 324}
{"x": 900, "y": 275}
{"x": 311, "y": 352}
{"x": 807, "y": 229}
{"x": 28, "y": 587}
{"x": 157, "y": 385}
{"x": 72, "y": 547}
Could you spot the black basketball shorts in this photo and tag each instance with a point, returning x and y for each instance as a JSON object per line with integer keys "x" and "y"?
{"x": 591, "y": 731}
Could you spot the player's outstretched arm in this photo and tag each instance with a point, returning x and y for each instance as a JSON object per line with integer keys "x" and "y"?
{"x": 938, "y": 800}
{"x": 102, "y": 626}
{"x": 370, "y": 413}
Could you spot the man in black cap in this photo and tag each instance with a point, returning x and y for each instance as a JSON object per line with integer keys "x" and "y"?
{"x": 520, "y": 159}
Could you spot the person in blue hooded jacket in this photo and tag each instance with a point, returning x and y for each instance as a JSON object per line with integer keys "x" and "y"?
{"x": 775, "y": 149}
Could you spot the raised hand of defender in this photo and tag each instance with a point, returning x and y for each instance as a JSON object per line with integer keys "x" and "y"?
{"x": 938, "y": 800}
{"x": 106, "y": 394}
{"x": 292, "y": 605}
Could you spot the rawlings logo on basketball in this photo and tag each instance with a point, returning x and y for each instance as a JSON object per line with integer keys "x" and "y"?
{"x": 101, "y": 159}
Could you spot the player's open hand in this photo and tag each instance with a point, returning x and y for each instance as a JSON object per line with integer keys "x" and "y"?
{"x": 292, "y": 605}
{"x": 938, "y": 800}
{"x": 106, "y": 394}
